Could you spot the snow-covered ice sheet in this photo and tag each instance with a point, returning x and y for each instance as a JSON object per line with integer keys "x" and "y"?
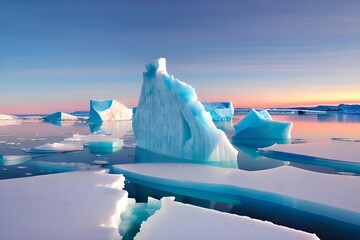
{"x": 303, "y": 190}
{"x": 60, "y": 116}
{"x": 219, "y": 111}
{"x": 170, "y": 120}
{"x": 176, "y": 220}
{"x": 76, "y": 205}
{"x": 260, "y": 125}
{"x": 339, "y": 154}
{"x": 108, "y": 110}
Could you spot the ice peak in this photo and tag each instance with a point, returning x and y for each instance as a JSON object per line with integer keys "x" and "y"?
{"x": 157, "y": 65}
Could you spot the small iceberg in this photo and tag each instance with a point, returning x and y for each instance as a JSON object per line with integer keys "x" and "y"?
{"x": 259, "y": 124}
{"x": 176, "y": 220}
{"x": 286, "y": 186}
{"x": 170, "y": 120}
{"x": 340, "y": 155}
{"x": 10, "y": 160}
{"x": 219, "y": 111}
{"x": 61, "y": 116}
{"x": 108, "y": 110}
{"x": 76, "y": 205}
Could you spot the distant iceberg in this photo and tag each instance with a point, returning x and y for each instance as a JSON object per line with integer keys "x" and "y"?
{"x": 170, "y": 120}
{"x": 60, "y": 116}
{"x": 108, "y": 110}
{"x": 7, "y": 117}
{"x": 259, "y": 124}
{"x": 219, "y": 111}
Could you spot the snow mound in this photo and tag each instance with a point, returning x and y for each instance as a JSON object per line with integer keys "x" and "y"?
{"x": 170, "y": 120}
{"x": 176, "y": 220}
{"x": 76, "y": 205}
{"x": 108, "y": 110}
{"x": 260, "y": 125}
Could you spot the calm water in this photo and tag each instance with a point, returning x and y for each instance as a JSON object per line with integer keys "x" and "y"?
{"x": 17, "y": 139}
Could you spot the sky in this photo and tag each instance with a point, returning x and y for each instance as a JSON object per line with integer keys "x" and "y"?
{"x": 57, "y": 55}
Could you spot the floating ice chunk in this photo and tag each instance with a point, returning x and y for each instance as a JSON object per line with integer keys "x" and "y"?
{"x": 100, "y": 162}
{"x": 60, "y": 116}
{"x": 260, "y": 125}
{"x": 170, "y": 120}
{"x": 287, "y": 186}
{"x": 77, "y": 205}
{"x": 9, "y": 160}
{"x": 344, "y": 155}
{"x": 174, "y": 221}
{"x": 219, "y": 111}
{"x": 58, "y": 147}
{"x": 9, "y": 120}
{"x": 107, "y": 110}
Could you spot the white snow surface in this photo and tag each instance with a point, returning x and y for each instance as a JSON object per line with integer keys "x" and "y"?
{"x": 7, "y": 117}
{"x": 344, "y": 151}
{"x": 259, "y": 124}
{"x": 286, "y": 181}
{"x": 181, "y": 221}
{"x": 170, "y": 120}
{"x": 108, "y": 110}
{"x": 61, "y": 116}
{"x": 76, "y": 205}
{"x": 59, "y": 147}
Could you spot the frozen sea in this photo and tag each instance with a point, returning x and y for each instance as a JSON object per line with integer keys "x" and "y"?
{"x": 19, "y": 137}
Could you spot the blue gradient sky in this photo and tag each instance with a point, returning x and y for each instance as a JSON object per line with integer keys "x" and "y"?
{"x": 56, "y": 55}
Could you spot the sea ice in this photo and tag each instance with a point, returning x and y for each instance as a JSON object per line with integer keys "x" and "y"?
{"x": 76, "y": 205}
{"x": 9, "y": 160}
{"x": 60, "y": 116}
{"x": 58, "y": 147}
{"x": 176, "y": 220}
{"x": 219, "y": 111}
{"x": 7, "y": 117}
{"x": 291, "y": 187}
{"x": 108, "y": 110}
{"x": 170, "y": 120}
{"x": 344, "y": 155}
{"x": 60, "y": 167}
{"x": 260, "y": 125}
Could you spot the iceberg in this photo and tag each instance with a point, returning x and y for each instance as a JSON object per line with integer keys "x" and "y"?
{"x": 170, "y": 120}
{"x": 176, "y": 220}
{"x": 108, "y": 110}
{"x": 76, "y": 205}
{"x": 60, "y": 116}
{"x": 286, "y": 186}
{"x": 7, "y": 117}
{"x": 219, "y": 111}
{"x": 340, "y": 155}
{"x": 9, "y": 160}
{"x": 260, "y": 125}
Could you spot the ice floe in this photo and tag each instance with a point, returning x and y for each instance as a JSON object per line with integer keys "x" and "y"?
{"x": 170, "y": 120}
{"x": 107, "y": 110}
{"x": 9, "y": 160}
{"x": 176, "y": 220}
{"x": 219, "y": 111}
{"x": 76, "y": 205}
{"x": 291, "y": 187}
{"x": 344, "y": 155}
{"x": 259, "y": 124}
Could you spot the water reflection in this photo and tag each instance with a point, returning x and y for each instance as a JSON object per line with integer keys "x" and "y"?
{"x": 115, "y": 128}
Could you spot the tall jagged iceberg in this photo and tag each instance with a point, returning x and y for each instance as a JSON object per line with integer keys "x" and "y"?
{"x": 170, "y": 120}
{"x": 60, "y": 116}
{"x": 108, "y": 110}
{"x": 219, "y": 111}
{"x": 259, "y": 124}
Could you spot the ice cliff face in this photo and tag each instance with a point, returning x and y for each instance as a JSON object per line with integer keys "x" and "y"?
{"x": 108, "y": 110}
{"x": 170, "y": 120}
